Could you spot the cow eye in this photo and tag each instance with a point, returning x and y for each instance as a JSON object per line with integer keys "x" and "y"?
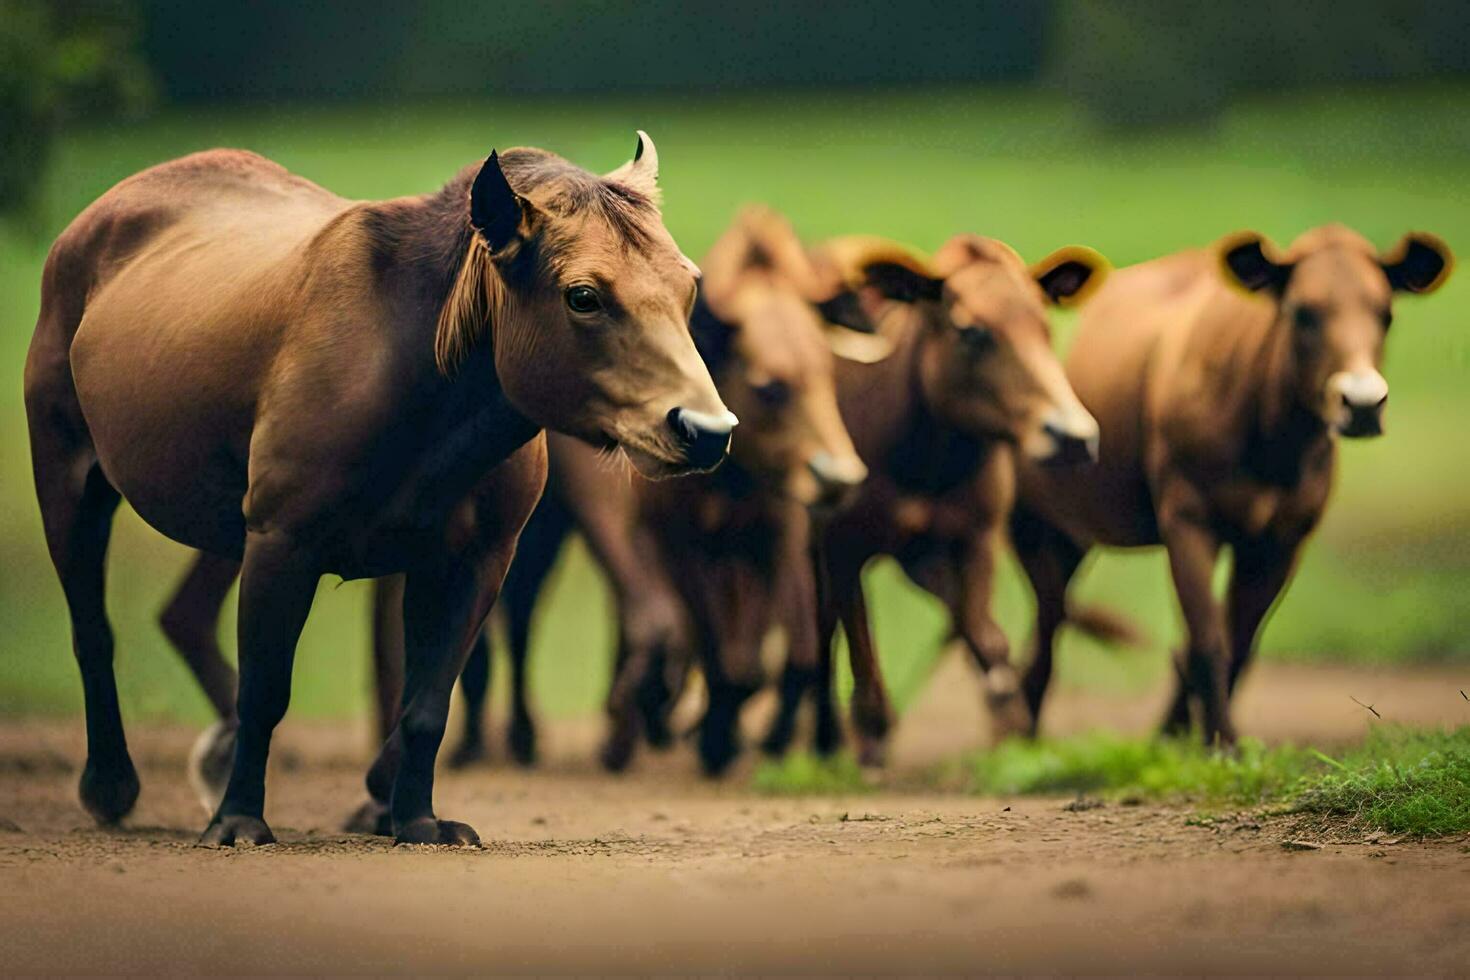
{"x": 1387, "y": 318}
{"x": 774, "y": 394}
{"x": 583, "y": 299}
{"x": 1306, "y": 318}
{"x": 977, "y": 340}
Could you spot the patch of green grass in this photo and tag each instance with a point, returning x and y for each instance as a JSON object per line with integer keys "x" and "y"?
{"x": 805, "y": 774}
{"x": 1382, "y": 581}
{"x": 1401, "y": 781}
{"x": 1155, "y": 769}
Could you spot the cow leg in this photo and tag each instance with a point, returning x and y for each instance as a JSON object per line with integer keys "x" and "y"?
{"x": 77, "y": 504}
{"x": 719, "y": 730}
{"x": 541, "y": 543}
{"x": 387, "y": 653}
{"x": 521, "y": 732}
{"x": 191, "y": 623}
{"x": 443, "y": 612}
{"x": 1049, "y": 559}
{"x": 474, "y": 684}
{"x": 652, "y": 636}
{"x": 827, "y": 722}
{"x": 798, "y": 597}
{"x": 1193, "y": 551}
{"x": 738, "y": 607}
{"x": 1262, "y": 569}
{"x": 872, "y": 717}
{"x": 277, "y": 585}
{"x": 657, "y": 694}
{"x": 640, "y": 697}
{"x": 983, "y": 637}
{"x": 373, "y": 817}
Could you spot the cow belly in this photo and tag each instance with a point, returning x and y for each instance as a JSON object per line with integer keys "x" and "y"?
{"x": 1093, "y": 504}
{"x": 164, "y": 436}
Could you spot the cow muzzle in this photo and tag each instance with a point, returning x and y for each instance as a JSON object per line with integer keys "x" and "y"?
{"x": 1067, "y": 439}
{"x": 838, "y": 479}
{"x": 703, "y": 437}
{"x": 1356, "y": 400}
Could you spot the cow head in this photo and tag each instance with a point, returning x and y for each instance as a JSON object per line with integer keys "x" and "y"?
{"x": 1334, "y": 300}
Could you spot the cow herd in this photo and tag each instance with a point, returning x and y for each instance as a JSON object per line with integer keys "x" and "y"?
{"x": 295, "y": 384}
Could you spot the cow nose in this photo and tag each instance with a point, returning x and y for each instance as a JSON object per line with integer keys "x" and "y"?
{"x": 1362, "y": 397}
{"x": 1362, "y": 421}
{"x": 1072, "y": 440}
{"x": 837, "y": 479}
{"x": 704, "y": 437}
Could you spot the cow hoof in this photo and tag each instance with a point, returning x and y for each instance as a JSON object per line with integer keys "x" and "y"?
{"x": 468, "y": 753}
{"x": 777, "y": 741}
{"x": 237, "y": 830}
{"x": 657, "y": 733}
{"x": 108, "y": 791}
{"x": 210, "y": 761}
{"x": 370, "y": 818}
{"x": 827, "y": 739}
{"x": 1009, "y": 716}
{"x": 872, "y": 753}
{"x": 616, "y": 754}
{"x": 716, "y": 756}
{"x": 521, "y": 736}
{"x": 427, "y": 830}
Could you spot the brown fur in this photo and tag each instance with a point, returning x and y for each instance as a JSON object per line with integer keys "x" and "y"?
{"x": 704, "y": 568}
{"x": 254, "y": 363}
{"x": 1219, "y": 378}
{"x": 938, "y": 424}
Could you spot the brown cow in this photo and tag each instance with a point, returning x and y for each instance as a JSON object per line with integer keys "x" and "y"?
{"x": 1220, "y": 379}
{"x": 730, "y": 546}
{"x": 311, "y": 385}
{"x": 761, "y": 279}
{"x": 973, "y": 379}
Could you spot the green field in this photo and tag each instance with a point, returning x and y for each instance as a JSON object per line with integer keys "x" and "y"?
{"x": 1386, "y": 580}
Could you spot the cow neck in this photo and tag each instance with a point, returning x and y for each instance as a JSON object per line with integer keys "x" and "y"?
{"x": 1280, "y": 432}
{"x": 467, "y": 420}
{"x": 931, "y": 456}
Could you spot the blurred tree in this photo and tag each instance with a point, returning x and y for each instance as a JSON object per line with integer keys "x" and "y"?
{"x": 60, "y": 59}
{"x": 1134, "y": 63}
{"x": 375, "y": 49}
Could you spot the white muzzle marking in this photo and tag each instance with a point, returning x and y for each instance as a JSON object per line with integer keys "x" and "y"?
{"x": 714, "y": 423}
{"x": 1359, "y": 389}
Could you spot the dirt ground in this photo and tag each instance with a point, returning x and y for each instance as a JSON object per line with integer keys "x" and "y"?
{"x": 659, "y": 871}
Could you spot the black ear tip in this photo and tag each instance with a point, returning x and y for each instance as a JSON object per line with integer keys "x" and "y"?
{"x": 846, "y": 310}
{"x": 1244, "y": 251}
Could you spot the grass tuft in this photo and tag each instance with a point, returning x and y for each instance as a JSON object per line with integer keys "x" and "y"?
{"x": 1400, "y": 780}
{"x": 1155, "y": 769}
{"x": 804, "y": 774}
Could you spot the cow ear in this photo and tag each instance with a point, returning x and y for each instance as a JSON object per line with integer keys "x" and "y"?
{"x": 852, "y": 345}
{"x": 1419, "y": 263}
{"x": 902, "y": 282}
{"x": 851, "y": 331}
{"x": 845, "y": 309}
{"x": 497, "y": 212}
{"x": 1070, "y": 275}
{"x": 713, "y": 336}
{"x": 1251, "y": 262}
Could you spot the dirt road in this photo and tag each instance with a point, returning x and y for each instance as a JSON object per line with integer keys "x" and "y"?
{"x": 659, "y": 871}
